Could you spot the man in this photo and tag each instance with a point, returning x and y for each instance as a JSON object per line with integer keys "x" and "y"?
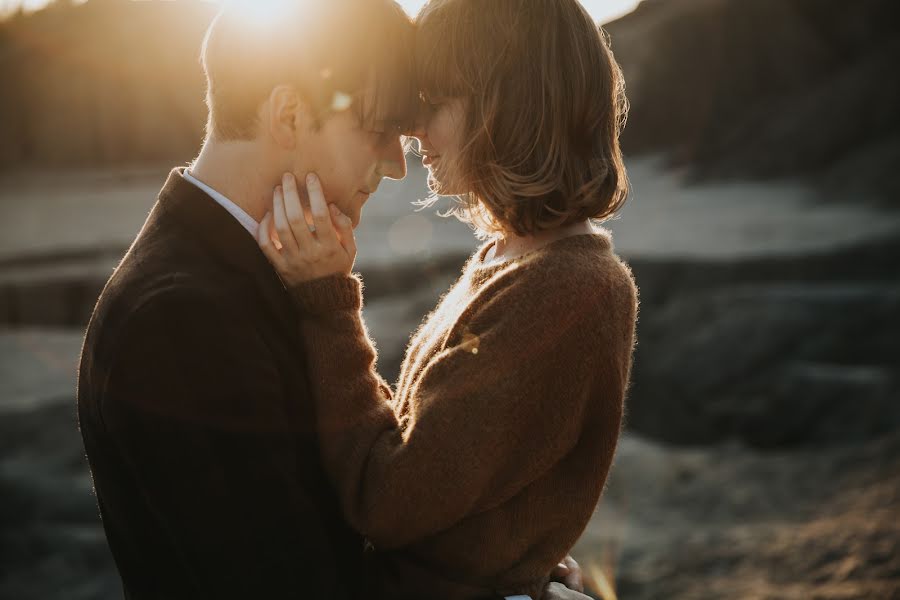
{"x": 193, "y": 395}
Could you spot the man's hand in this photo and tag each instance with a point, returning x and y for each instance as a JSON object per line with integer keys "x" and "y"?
{"x": 568, "y": 573}
{"x": 557, "y": 591}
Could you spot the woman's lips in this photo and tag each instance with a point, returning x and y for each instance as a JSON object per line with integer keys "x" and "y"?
{"x": 429, "y": 159}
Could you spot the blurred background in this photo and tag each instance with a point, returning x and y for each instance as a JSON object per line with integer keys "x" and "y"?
{"x": 761, "y": 457}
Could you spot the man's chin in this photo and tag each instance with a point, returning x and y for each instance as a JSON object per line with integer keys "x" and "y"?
{"x": 356, "y": 217}
{"x": 352, "y": 211}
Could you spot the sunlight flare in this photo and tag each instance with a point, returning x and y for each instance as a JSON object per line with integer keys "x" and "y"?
{"x": 261, "y": 12}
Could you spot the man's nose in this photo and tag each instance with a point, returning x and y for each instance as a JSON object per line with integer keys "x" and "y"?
{"x": 419, "y": 130}
{"x": 392, "y": 162}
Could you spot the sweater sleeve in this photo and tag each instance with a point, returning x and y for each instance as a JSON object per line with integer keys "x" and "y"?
{"x": 497, "y": 408}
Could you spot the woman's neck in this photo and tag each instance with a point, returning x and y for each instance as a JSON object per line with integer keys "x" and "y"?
{"x": 512, "y": 245}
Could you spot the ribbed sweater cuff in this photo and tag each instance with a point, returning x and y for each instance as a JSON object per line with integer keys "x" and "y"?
{"x": 328, "y": 294}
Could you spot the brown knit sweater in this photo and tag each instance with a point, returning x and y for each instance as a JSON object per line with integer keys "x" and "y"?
{"x": 483, "y": 469}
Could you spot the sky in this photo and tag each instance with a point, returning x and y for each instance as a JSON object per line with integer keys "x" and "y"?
{"x": 602, "y": 10}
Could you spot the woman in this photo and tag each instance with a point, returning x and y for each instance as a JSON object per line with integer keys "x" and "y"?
{"x": 481, "y": 470}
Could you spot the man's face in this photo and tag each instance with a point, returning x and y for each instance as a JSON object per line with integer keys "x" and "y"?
{"x": 351, "y": 161}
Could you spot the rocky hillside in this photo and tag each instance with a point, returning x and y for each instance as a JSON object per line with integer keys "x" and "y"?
{"x": 762, "y": 451}
{"x": 731, "y": 88}
{"x": 768, "y": 88}
{"x": 105, "y": 82}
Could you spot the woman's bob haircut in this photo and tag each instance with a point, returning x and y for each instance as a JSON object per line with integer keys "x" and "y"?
{"x": 545, "y": 105}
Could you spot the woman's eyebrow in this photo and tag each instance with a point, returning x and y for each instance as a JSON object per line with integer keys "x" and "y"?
{"x": 388, "y": 125}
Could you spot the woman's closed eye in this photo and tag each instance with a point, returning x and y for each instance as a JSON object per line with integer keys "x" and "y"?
{"x": 431, "y": 103}
{"x": 385, "y": 134}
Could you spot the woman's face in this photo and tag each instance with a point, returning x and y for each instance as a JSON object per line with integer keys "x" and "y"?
{"x": 440, "y": 139}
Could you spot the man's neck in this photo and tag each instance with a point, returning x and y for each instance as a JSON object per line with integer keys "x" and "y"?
{"x": 236, "y": 170}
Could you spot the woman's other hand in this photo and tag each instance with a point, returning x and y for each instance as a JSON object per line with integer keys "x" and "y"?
{"x": 568, "y": 573}
{"x": 558, "y": 591}
{"x": 307, "y": 252}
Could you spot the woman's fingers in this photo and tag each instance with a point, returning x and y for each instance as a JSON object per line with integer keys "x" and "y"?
{"x": 282, "y": 225}
{"x": 304, "y": 255}
{"x": 294, "y": 214}
{"x": 293, "y": 210}
{"x": 273, "y": 234}
{"x": 344, "y": 227}
{"x": 266, "y": 244}
{"x": 320, "y": 213}
{"x": 573, "y": 579}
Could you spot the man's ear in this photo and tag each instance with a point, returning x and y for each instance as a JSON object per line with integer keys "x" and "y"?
{"x": 288, "y": 117}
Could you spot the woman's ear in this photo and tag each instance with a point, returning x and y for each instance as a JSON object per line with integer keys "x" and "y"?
{"x": 288, "y": 116}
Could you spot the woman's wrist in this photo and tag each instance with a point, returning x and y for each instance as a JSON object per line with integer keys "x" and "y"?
{"x": 328, "y": 294}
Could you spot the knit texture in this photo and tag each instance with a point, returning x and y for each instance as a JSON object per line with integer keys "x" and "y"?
{"x": 483, "y": 469}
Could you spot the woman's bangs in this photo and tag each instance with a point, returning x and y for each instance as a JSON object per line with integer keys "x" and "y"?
{"x": 390, "y": 100}
{"x": 437, "y": 54}
{"x": 392, "y": 103}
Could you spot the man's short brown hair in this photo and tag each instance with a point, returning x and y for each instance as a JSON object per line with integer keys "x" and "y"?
{"x": 545, "y": 107}
{"x": 329, "y": 50}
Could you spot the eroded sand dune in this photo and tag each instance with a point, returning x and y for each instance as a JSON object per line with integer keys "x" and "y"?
{"x": 732, "y": 275}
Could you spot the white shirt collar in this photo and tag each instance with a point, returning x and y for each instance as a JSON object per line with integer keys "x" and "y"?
{"x": 233, "y": 209}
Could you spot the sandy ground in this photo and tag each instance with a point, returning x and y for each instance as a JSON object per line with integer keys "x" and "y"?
{"x": 37, "y": 366}
{"x": 60, "y": 213}
{"x": 716, "y": 521}
{"x": 722, "y": 520}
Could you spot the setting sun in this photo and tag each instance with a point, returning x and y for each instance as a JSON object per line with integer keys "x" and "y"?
{"x": 259, "y": 12}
